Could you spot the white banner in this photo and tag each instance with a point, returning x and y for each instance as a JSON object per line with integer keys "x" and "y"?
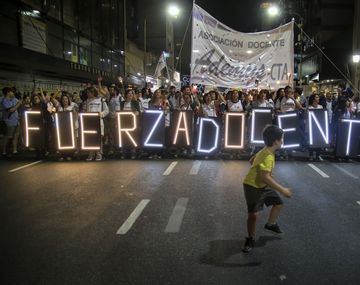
{"x": 224, "y": 57}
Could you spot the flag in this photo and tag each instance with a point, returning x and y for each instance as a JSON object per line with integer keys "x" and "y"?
{"x": 160, "y": 66}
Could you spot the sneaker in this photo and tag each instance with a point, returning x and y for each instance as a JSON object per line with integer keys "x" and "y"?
{"x": 98, "y": 157}
{"x": 249, "y": 245}
{"x": 90, "y": 157}
{"x": 61, "y": 159}
{"x": 69, "y": 158}
{"x": 273, "y": 228}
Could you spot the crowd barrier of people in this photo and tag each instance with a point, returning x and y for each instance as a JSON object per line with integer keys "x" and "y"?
{"x": 108, "y": 100}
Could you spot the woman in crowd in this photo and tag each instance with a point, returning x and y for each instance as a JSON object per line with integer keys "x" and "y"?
{"x": 314, "y": 103}
{"x": 261, "y": 101}
{"x": 66, "y": 105}
{"x": 207, "y": 108}
{"x": 113, "y": 101}
{"x": 132, "y": 105}
{"x": 92, "y": 104}
{"x": 235, "y": 104}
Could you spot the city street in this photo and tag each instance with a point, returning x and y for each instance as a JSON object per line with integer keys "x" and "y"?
{"x": 174, "y": 222}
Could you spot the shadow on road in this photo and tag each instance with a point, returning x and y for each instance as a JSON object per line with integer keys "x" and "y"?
{"x": 222, "y": 250}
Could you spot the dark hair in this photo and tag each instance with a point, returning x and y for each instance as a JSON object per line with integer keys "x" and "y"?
{"x": 298, "y": 90}
{"x": 266, "y": 92}
{"x": 312, "y": 98}
{"x": 287, "y": 88}
{"x": 278, "y": 92}
{"x": 184, "y": 87}
{"x": 6, "y": 90}
{"x": 61, "y": 100}
{"x": 272, "y": 133}
{"x": 92, "y": 90}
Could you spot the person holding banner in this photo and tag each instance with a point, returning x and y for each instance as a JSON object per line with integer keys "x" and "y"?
{"x": 95, "y": 104}
{"x": 207, "y": 108}
{"x": 66, "y": 105}
{"x": 234, "y": 104}
{"x": 11, "y": 117}
{"x": 132, "y": 105}
{"x": 110, "y": 121}
{"x": 190, "y": 104}
{"x": 314, "y": 100}
{"x": 261, "y": 188}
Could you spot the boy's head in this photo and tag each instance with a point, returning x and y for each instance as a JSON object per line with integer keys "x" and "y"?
{"x": 273, "y": 136}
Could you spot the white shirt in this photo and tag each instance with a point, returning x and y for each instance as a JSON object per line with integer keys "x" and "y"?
{"x": 329, "y": 109}
{"x": 235, "y": 107}
{"x": 209, "y": 110}
{"x": 127, "y": 106}
{"x": 318, "y": 107}
{"x": 287, "y": 105}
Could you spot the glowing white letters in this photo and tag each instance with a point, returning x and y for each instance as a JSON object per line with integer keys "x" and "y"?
{"x": 29, "y": 128}
{"x": 242, "y": 128}
{"x": 83, "y": 131}
{"x": 119, "y": 115}
{"x": 280, "y": 117}
{"x": 146, "y": 143}
{"x": 215, "y": 145}
{"x": 325, "y": 135}
{"x": 253, "y": 121}
{"x": 72, "y": 146}
{"x": 349, "y": 133}
{"x": 185, "y": 129}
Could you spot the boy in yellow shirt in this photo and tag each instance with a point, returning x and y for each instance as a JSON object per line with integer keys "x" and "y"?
{"x": 261, "y": 188}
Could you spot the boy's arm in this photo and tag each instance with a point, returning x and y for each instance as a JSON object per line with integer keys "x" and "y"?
{"x": 251, "y": 160}
{"x": 267, "y": 178}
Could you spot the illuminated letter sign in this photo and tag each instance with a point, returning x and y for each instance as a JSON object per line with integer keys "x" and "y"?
{"x": 127, "y": 122}
{"x": 234, "y": 130}
{"x": 318, "y": 128}
{"x": 208, "y": 142}
{"x": 182, "y": 128}
{"x": 348, "y": 138}
{"x": 260, "y": 117}
{"x": 153, "y": 130}
{"x": 64, "y": 123}
{"x": 289, "y": 124}
{"x": 34, "y": 136}
{"x": 90, "y": 127}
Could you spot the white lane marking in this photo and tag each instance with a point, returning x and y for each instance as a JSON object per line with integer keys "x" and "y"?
{"x": 126, "y": 226}
{"x": 318, "y": 170}
{"x": 346, "y": 172}
{"x": 358, "y": 202}
{"x": 195, "y": 168}
{"x": 170, "y": 168}
{"x": 24, "y": 166}
{"x": 177, "y": 216}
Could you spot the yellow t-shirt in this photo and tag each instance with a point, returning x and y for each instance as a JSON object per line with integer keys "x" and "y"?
{"x": 264, "y": 161}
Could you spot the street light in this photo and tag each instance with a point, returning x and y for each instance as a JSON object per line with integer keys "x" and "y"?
{"x": 356, "y": 58}
{"x": 173, "y": 10}
{"x": 273, "y": 10}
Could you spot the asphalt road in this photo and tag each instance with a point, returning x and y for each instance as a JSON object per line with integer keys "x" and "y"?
{"x": 174, "y": 222}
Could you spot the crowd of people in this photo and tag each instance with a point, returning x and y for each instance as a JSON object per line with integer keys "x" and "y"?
{"x": 107, "y": 100}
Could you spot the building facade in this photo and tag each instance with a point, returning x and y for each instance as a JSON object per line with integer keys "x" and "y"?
{"x": 61, "y": 43}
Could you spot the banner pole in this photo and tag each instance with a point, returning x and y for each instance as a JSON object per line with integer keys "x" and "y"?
{"x": 191, "y": 49}
{"x": 324, "y": 54}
